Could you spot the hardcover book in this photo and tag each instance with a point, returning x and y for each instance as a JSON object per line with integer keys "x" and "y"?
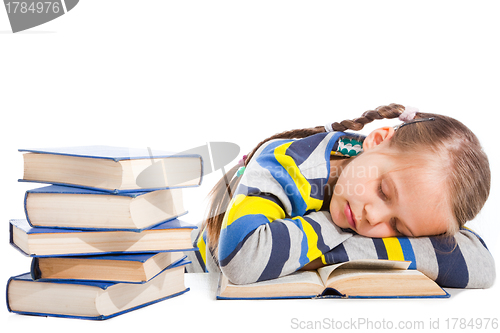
{"x": 113, "y": 169}
{"x": 131, "y": 268}
{"x": 89, "y": 299}
{"x": 72, "y": 207}
{"x": 174, "y": 235}
{"x": 352, "y": 279}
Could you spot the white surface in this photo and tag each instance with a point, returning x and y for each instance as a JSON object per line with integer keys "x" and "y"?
{"x": 174, "y": 75}
{"x": 198, "y": 309}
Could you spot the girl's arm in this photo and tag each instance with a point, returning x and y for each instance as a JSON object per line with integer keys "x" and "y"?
{"x": 462, "y": 261}
{"x": 273, "y": 225}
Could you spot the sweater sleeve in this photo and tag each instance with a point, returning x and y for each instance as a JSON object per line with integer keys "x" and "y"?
{"x": 462, "y": 261}
{"x": 273, "y": 225}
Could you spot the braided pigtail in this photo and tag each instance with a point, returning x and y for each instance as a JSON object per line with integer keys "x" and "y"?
{"x": 382, "y": 112}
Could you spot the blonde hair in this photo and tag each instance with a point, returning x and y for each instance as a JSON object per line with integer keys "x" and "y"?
{"x": 465, "y": 165}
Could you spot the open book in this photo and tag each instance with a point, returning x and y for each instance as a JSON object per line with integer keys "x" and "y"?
{"x": 352, "y": 279}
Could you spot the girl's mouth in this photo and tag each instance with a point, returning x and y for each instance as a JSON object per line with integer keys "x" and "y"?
{"x": 349, "y": 216}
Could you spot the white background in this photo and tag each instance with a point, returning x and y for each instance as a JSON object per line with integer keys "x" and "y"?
{"x": 174, "y": 75}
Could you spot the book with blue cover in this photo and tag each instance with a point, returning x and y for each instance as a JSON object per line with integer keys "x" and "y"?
{"x": 112, "y": 169}
{"x": 71, "y": 207}
{"x": 90, "y": 299}
{"x": 352, "y": 279}
{"x": 174, "y": 235}
{"x": 126, "y": 268}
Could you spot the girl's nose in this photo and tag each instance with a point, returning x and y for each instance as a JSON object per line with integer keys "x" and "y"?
{"x": 376, "y": 214}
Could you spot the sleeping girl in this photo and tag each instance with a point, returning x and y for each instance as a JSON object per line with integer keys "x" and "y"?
{"x": 317, "y": 196}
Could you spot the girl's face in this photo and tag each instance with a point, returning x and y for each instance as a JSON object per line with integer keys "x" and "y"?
{"x": 376, "y": 197}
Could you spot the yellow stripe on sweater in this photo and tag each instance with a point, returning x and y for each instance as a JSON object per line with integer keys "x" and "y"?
{"x": 300, "y": 181}
{"x": 312, "y": 239}
{"x": 202, "y": 246}
{"x": 393, "y": 248}
{"x": 241, "y": 205}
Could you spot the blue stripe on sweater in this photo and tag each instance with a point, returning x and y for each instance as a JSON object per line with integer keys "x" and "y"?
{"x": 234, "y": 235}
{"x": 304, "y": 247}
{"x": 318, "y": 188}
{"x": 255, "y": 192}
{"x": 268, "y": 161}
{"x": 380, "y": 248}
{"x": 227, "y": 259}
{"x": 336, "y": 255}
{"x": 317, "y": 229}
{"x": 452, "y": 266}
{"x": 280, "y": 251}
{"x": 300, "y": 150}
{"x": 408, "y": 252}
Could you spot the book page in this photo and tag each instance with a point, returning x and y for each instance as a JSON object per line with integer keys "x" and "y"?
{"x": 298, "y": 284}
{"x": 297, "y": 277}
{"x": 363, "y": 264}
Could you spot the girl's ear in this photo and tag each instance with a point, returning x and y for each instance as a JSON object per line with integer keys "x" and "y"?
{"x": 377, "y": 137}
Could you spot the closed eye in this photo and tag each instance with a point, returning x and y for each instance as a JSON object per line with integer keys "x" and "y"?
{"x": 381, "y": 193}
{"x": 392, "y": 223}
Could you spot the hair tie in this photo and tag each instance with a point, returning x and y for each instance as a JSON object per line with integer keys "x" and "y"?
{"x": 242, "y": 161}
{"x": 328, "y": 128}
{"x": 240, "y": 171}
{"x": 408, "y": 114}
{"x": 241, "y": 164}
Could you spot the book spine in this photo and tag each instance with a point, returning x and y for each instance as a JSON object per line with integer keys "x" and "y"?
{"x": 7, "y": 294}
{"x": 35, "y": 269}
{"x": 11, "y": 236}
{"x": 26, "y": 209}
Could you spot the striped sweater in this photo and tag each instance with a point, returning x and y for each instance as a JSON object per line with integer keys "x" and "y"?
{"x": 274, "y": 226}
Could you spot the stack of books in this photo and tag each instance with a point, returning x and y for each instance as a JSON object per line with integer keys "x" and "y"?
{"x": 104, "y": 235}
